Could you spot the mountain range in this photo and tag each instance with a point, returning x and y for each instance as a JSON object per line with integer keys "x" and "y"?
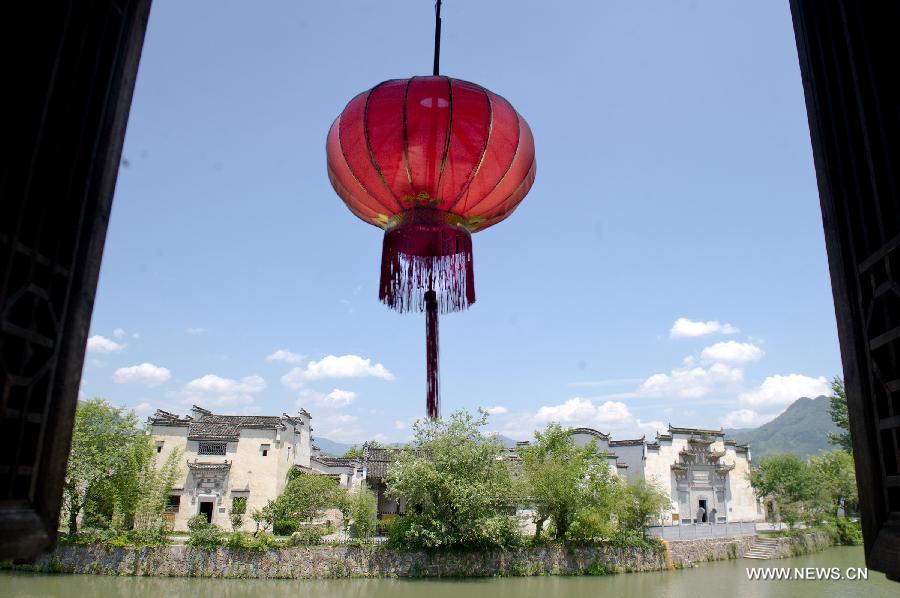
{"x": 802, "y": 430}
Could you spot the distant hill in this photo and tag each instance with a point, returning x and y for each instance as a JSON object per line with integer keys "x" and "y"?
{"x": 336, "y": 449}
{"x": 330, "y": 447}
{"x": 802, "y": 430}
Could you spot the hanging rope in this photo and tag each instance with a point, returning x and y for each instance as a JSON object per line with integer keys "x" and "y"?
{"x": 437, "y": 38}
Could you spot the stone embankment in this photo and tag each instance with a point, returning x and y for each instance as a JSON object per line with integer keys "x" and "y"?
{"x": 347, "y": 561}
{"x": 692, "y": 552}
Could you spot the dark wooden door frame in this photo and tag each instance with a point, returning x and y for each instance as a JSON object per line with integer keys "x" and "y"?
{"x": 72, "y": 79}
{"x": 849, "y": 53}
{"x": 70, "y": 68}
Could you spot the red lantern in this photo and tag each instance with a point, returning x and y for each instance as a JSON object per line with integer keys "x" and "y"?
{"x": 430, "y": 160}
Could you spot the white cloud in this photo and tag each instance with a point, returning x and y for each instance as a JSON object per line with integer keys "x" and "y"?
{"x": 101, "y": 344}
{"x": 582, "y": 410}
{"x": 212, "y": 391}
{"x": 746, "y": 418}
{"x": 118, "y": 332}
{"x": 212, "y": 383}
{"x": 498, "y": 410}
{"x": 339, "y": 398}
{"x": 195, "y": 331}
{"x": 285, "y": 356}
{"x": 145, "y": 373}
{"x": 335, "y": 398}
{"x": 332, "y": 366}
{"x": 650, "y": 428}
{"x": 142, "y": 408}
{"x": 608, "y": 416}
{"x": 343, "y": 419}
{"x": 692, "y": 382}
{"x": 684, "y": 327}
{"x": 399, "y": 424}
{"x": 782, "y": 390}
{"x": 732, "y": 352}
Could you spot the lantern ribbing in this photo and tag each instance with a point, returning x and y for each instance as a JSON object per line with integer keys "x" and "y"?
{"x": 430, "y": 160}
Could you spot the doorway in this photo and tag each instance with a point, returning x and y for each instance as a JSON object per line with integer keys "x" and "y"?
{"x": 702, "y": 511}
{"x": 206, "y": 508}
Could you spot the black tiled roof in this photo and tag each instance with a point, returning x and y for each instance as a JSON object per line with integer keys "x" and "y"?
{"x": 630, "y": 442}
{"x": 678, "y": 430}
{"x": 335, "y": 461}
{"x": 377, "y": 460}
{"x": 209, "y": 426}
{"x": 228, "y": 427}
{"x": 590, "y": 431}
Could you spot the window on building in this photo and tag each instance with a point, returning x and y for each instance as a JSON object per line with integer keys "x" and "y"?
{"x": 211, "y": 448}
{"x": 264, "y": 449}
{"x": 173, "y": 503}
{"x": 239, "y": 505}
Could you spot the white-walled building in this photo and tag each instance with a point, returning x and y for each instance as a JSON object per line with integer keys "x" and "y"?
{"x": 237, "y": 457}
{"x": 698, "y": 469}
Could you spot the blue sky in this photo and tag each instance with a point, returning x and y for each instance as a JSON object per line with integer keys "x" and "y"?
{"x": 668, "y": 265}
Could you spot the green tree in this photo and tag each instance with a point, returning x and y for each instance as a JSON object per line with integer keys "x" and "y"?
{"x": 789, "y": 483}
{"x": 839, "y": 416}
{"x": 564, "y": 482}
{"x": 362, "y": 510}
{"x": 264, "y": 518}
{"x": 103, "y": 445}
{"x": 835, "y": 476}
{"x": 603, "y": 499}
{"x": 304, "y": 498}
{"x": 155, "y": 482}
{"x": 458, "y": 485}
{"x": 354, "y": 452}
{"x": 642, "y": 504}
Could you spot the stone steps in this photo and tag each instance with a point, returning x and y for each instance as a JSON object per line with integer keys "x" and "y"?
{"x": 762, "y": 549}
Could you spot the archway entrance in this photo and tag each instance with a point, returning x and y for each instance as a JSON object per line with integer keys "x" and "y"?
{"x": 206, "y": 508}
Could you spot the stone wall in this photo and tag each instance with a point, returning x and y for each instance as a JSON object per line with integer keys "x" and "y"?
{"x": 805, "y": 544}
{"x": 687, "y": 553}
{"x": 345, "y": 561}
{"x": 339, "y": 561}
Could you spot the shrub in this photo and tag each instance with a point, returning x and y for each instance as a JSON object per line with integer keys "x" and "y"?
{"x": 285, "y": 526}
{"x": 305, "y": 536}
{"x": 203, "y": 534}
{"x": 243, "y": 541}
{"x": 847, "y": 532}
{"x": 363, "y": 510}
{"x": 236, "y": 514}
{"x": 156, "y": 535}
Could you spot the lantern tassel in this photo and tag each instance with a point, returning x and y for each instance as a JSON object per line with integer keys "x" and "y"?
{"x": 432, "y": 398}
{"x": 425, "y": 253}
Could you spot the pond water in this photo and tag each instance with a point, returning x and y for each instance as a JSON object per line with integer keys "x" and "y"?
{"x": 724, "y": 579}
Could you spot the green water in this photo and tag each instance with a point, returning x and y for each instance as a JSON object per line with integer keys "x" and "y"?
{"x": 725, "y": 579}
